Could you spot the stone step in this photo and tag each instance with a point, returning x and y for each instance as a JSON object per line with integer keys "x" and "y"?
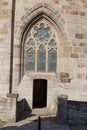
{"x": 43, "y": 112}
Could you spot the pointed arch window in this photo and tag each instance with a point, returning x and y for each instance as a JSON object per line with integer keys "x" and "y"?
{"x": 41, "y": 48}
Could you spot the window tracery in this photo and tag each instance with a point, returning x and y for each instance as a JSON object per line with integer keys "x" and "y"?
{"x": 41, "y": 48}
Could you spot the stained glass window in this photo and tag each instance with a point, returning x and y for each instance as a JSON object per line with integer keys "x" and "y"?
{"x": 52, "y": 42}
{"x": 31, "y": 59}
{"x": 42, "y": 48}
{"x": 31, "y": 42}
{"x": 41, "y": 59}
{"x": 42, "y": 33}
{"x": 52, "y": 58}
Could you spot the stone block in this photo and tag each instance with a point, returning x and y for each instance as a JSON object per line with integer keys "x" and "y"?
{"x": 74, "y": 55}
{"x": 74, "y": 12}
{"x": 6, "y": 3}
{"x": 85, "y": 49}
{"x": 82, "y": 55}
{"x": 83, "y": 44}
{"x": 11, "y": 95}
{"x": 63, "y": 75}
{"x": 62, "y": 97}
{"x": 82, "y": 13}
{"x": 80, "y": 76}
{"x": 68, "y": 48}
{"x": 8, "y": 109}
{"x": 64, "y": 78}
{"x": 17, "y": 46}
{"x": 77, "y": 49}
{"x": 78, "y": 35}
{"x": 56, "y": 1}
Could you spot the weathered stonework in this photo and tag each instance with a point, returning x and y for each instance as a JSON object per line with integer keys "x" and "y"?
{"x": 68, "y": 18}
{"x": 8, "y": 109}
{"x": 71, "y": 112}
{"x": 77, "y": 112}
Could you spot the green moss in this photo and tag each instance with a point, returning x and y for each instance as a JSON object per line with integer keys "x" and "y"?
{"x": 2, "y": 123}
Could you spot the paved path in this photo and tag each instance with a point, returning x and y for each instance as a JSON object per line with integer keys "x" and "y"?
{"x": 32, "y": 124}
{"x": 79, "y": 127}
{"x": 47, "y": 123}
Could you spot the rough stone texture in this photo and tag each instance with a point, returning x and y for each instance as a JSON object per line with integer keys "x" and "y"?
{"x": 47, "y": 123}
{"x": 8, "y": 109}
{"x": 77, "y": 112}
{"x": 70, "y": 17}
{"x": 5, "y": 39}
{"x": 62, "y": 111}
{"x": 71, "y": 112}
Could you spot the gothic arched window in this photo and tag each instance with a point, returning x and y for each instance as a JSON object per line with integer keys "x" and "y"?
{"x": 41, "y": 48}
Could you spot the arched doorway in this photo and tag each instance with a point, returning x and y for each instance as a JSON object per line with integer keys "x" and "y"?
{"x": 39, "y": 93}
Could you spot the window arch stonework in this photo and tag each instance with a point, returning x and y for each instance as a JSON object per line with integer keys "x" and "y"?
{"x": 41, "y": 48}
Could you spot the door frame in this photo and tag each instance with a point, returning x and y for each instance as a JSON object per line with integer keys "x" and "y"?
{"x": 33, "y": 92}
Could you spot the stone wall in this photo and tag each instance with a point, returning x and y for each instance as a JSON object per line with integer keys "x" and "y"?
{"x": 8, "y": 109}
{"x": 5, "y": 43}
{"x": 23, "y": 110}
{"x": 71, "y": 16}
{"x": 71, "y": 112}
{"x": 72, "y": 49}
{"x": 70, "y": 79}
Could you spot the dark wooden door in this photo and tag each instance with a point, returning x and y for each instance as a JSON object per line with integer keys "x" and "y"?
{"x": 39, "y": 93}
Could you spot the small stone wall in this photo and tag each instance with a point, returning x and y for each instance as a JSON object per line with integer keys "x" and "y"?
{"x": 23, "y": 110}
{"x": 77, "y": 112}
{"x": 8, "y": 109}
{"x": 71, "y": 112}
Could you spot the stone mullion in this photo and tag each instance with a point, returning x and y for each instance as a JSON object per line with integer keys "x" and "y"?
{"x": 57, "y": 62}
{"x": 36, "y": 53}
{"x": 47, "y": 60}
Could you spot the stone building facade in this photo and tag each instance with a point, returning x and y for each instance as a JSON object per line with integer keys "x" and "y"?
{"x": 43, "y": 52}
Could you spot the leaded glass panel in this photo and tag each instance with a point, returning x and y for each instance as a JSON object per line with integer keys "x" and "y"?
{"x": 41, "y": 48}
{"x": 31, "y": 66}
{"x": 31, "y": 59}
{"x": 31, "y": 55}
{"x": 41, "y": 32}
{"x": 52, "y": 57}
{"x": 42, "y": 56}
{"x": 31, "y": 42}
{"x": 51, "y": 66}
{"x": 52, "y": 43}
{"x": 41, "y": 59}
{"x": 42, "y": 25}
{"x": 41, "y": 67}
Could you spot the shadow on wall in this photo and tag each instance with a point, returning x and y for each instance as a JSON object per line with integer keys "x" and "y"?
{"x": 61, "y": 115}
{"x": 23, "y": 110}
{"x": 33, "y": 125}
{"x": 71, "y": 112}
